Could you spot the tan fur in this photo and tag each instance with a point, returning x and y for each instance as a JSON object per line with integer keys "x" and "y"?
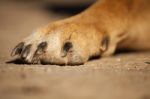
{"x": 126, "y": 23}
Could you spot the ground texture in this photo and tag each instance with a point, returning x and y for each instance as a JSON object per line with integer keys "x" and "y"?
{"x": 123, "y": 76}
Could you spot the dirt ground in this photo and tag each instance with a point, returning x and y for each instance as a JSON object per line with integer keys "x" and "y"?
{"x": 123, "y": 76}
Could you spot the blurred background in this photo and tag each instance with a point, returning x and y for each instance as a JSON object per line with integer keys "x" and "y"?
{"x": 18, "y": 18}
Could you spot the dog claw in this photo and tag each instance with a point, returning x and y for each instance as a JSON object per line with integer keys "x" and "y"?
{"x": 41, "y": 48}
{"x": 26, "y": 51}
{"x": 39, "y": 51}
{"x": 18, "y": 49}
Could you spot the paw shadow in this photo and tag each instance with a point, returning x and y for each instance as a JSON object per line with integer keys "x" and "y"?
{"x": 125, "y": 51}
{"x": 16, "y": 61}
{"x": 22, "y": 62}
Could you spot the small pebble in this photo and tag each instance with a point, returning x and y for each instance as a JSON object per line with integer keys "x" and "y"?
{"x": 118, "y": 59}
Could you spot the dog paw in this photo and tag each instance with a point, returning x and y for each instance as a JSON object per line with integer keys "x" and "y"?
{"x": 62, "y": 43}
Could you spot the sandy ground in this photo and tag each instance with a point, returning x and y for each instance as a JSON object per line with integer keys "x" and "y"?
{"x": 123, "y": 76}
